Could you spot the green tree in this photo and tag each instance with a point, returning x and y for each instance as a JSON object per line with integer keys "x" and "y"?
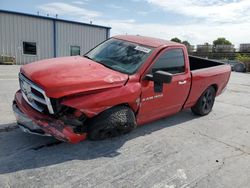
{"x": 186, "y": 43}
{"x": 222, "y": 41}
{"x": 176, "y": 40}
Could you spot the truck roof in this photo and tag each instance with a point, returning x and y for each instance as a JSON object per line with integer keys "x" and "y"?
{"x": 147, "y": 41}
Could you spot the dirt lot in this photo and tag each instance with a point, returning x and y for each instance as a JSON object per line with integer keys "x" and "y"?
{"x": 179, "y": 151}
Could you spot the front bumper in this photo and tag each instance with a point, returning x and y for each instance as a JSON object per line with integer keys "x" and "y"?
{"x": 32, "y": 121}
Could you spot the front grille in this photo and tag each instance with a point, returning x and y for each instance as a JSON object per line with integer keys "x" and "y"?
{"x": 37, "y": 93}
{"x": 34, "y": 95}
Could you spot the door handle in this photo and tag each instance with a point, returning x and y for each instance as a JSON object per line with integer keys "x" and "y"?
{"x": 182, "y": 82}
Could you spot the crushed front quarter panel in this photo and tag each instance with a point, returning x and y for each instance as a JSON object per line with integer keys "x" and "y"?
{"x": 93, "y": 104}
{"x": 49, "y": 125}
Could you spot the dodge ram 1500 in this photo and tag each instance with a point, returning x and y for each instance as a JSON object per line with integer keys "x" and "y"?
{"x": 124, "y": 82}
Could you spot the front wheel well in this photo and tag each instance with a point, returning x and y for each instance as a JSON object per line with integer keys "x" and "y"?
{"x": 127, "y": 105}
{"x": 114, "y": 121}
{"x": 122, "y": 104}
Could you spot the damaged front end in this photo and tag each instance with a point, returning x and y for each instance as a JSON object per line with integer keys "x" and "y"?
{"x": 68, "y": 126}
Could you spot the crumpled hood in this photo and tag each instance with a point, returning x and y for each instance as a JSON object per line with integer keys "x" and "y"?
{"x": 64, "y": 76}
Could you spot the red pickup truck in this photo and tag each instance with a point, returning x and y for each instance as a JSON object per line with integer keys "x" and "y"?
{"x": 122, "y": 83}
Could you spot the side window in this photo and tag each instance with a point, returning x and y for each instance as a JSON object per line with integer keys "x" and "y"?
{"x": 74, "y": 50}
{"x": 171, "y": 61}
{"x": 29, "y": 48}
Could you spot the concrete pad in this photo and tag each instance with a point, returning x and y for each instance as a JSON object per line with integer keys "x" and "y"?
{"x": 180, "y": 151}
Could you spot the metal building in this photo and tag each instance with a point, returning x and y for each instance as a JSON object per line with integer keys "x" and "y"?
{"x": 30, "y": 38}
{"x": 204, "y": 48}
{"x": 224, "y": 48}
{"x": 245, "y": 47}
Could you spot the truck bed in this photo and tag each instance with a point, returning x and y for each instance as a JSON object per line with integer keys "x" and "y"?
{"x": 201, "y": 63}
{"x": 206, "y": 73}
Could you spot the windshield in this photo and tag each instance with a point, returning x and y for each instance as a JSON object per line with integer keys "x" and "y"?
{"x": 119, "y": 55}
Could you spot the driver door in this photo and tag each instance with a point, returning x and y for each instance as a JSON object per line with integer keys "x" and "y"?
{"x": 155, "y": 104}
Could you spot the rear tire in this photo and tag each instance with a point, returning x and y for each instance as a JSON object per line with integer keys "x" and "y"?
{"x": 111, "y": 123}
{"x": 205, "y": 103}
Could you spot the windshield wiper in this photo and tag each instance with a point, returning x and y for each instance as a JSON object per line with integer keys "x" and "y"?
{"x": 87, "y": 57}
{"x": 105, "y": 65}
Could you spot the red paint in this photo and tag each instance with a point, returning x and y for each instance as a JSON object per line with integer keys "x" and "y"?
{"x": 49, "y": 125}
{"x": 71, "y": 75}
{"x": 203, "y": 78}
{"x": 92, "y": 88}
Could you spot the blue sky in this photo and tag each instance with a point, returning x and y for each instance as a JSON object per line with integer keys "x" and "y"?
{"x": 197, "y": 21}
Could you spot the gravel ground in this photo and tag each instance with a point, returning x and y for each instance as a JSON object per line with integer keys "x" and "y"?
{"x": 179, "y": 151}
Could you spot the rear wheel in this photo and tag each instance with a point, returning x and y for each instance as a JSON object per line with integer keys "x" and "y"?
{"x": 111, "y": 123}
{"x": 205, "y": 103}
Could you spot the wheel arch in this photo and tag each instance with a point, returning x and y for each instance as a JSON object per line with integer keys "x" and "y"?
{"x": 114, "y": 120}
{"x": 134, "y": 110}
{"x": 198, "y": 108}
{"x": 215, "y": 86}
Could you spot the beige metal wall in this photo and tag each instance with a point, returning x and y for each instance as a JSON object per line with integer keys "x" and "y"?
{"x": 69, "y": 34}
{"x": 15, "y": 29}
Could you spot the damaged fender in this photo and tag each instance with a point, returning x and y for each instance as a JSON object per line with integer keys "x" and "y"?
{"x": 93, "y": 104}
{"x": 49, "y": 125}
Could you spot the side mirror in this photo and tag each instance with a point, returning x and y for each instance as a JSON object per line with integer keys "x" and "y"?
{"x": 160, "y": 77}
